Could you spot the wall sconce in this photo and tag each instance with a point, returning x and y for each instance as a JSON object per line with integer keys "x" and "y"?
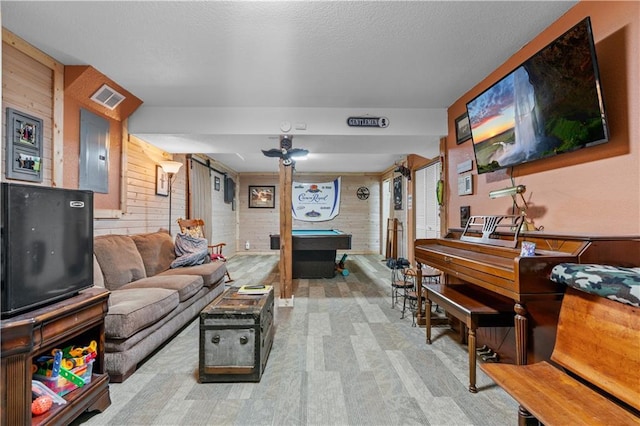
{"x": 170, "y": 168}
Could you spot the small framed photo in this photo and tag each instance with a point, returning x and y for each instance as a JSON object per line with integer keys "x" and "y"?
{"x": 216, "y": 183}
{"x": 262, "y": 197}
{"x": 397, "y": 193}
{"x": 463, "y": 128}
{"x": 162, "y": 182}
{"x": 465, "y": 214}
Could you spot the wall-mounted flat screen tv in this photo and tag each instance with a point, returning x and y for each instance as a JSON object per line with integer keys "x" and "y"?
{"x": 551, "y": 104}
{"x": 229, "y": 190}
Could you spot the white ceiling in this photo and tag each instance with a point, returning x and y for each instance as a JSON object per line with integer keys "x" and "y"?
{"x": 302, "y": 60}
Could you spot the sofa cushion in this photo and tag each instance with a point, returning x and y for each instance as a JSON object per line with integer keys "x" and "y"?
{"x": 212, "y": 273}
{"x": 131, "y": 310}
{"x": 98, "y": 278}
{"x": 185, "y": 285}
{"x": 157, "y": 251}
{"x": 119, "y": 260}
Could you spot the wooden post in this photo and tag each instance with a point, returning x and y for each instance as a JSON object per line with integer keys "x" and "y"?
{"x": 286, "y": 219}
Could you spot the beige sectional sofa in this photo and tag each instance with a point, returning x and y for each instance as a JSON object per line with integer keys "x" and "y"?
{"x": 149, "y": 302}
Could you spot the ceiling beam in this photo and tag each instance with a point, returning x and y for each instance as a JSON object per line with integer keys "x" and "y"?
{"x": 261, "y": 121}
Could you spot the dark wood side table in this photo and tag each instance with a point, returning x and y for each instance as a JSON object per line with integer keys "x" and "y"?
{"x": 68, "y": 322}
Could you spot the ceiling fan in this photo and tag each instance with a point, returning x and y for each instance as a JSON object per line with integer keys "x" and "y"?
{"x": 286, "y": 152}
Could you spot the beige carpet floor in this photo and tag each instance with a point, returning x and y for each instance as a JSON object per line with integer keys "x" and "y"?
{"x": 341, "y": 356}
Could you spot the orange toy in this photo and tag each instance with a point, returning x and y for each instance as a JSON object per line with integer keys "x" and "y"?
{"x": 41, "y": 405}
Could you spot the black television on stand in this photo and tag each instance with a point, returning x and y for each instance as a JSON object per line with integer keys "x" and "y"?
{"x": 551, "y": 104}
{"x": 47, "y": 245}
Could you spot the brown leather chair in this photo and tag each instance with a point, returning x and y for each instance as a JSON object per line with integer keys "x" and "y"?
{"x": 195, "y": 228}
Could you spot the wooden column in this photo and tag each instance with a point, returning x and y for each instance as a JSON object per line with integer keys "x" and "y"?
{"x": 286, "y": 219}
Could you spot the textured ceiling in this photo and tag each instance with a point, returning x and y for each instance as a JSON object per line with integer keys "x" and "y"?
{"x": 348, "y": 55}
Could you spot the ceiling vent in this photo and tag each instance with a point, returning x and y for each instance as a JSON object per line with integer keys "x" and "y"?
{"x": 107, "y": 97}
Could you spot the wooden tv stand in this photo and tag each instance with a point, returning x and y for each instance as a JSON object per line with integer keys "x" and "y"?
{"x": 25, "y": 336}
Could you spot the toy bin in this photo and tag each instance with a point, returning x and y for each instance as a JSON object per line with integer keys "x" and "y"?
{"x": 62, "y": 386}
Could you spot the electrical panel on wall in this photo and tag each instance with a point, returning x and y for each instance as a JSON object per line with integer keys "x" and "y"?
{"x": 465, "y": 185}
{"x": 94, "y": 152}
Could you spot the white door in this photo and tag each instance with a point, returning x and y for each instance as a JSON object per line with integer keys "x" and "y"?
{"x": 426, "y": 202}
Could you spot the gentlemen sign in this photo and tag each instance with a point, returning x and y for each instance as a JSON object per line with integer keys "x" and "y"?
{"x": 368, "y": 122}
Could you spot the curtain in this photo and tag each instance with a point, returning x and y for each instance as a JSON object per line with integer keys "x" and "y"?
{"x": 201, "y": 196}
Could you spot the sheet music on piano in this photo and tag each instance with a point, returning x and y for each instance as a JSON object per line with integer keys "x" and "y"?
{"x": 487, "y": 227}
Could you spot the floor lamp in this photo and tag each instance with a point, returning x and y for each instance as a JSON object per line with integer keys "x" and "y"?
{"x": 170, "y": 168}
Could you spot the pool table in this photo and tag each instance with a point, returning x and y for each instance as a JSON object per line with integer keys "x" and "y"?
{"x": 314, "y": 251}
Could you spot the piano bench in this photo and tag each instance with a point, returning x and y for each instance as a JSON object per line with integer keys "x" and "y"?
{"x": 595, "y": 377}
{"x": 473, "y": 308}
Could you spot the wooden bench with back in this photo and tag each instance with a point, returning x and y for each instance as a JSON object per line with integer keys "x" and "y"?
{"x": 597, "y": 376}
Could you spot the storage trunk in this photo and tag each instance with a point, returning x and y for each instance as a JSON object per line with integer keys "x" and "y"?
{"x": 236, "y": 333}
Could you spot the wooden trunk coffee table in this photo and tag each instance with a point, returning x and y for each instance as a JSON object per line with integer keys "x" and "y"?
{"x": 236, "y": 334}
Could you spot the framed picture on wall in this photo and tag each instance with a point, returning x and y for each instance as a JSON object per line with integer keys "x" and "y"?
{"x": 397, "y": 193}
{"x": 262, "y": 197}
{"x": 465, "y": 214}
{"x": 463, "y": 128}
{"x": 24, "y": 146}
{"x": 162, "y": 182}
{"x": 216, "y": 183}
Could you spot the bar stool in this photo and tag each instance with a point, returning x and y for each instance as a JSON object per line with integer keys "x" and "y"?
{"x": 430, "y": 276}
{"x": 399, "y": 285}
{"x": 411, "y": 295}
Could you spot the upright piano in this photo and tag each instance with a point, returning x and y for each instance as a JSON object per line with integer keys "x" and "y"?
{"x": 501, "y": 272}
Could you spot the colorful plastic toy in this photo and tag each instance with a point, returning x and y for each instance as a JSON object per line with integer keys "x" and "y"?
{"x": 41, "y": 405}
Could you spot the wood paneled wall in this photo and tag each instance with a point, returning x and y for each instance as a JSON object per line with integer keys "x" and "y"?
{"x": 27, "y": 86}
{"x": 361, "y": 218}
{"x": 257, "y": 224}
{"x": 145, "y": 211}
{"x": 32, "y": 83}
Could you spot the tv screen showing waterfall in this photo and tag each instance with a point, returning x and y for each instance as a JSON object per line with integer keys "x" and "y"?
{"x": 549, "y": 105}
